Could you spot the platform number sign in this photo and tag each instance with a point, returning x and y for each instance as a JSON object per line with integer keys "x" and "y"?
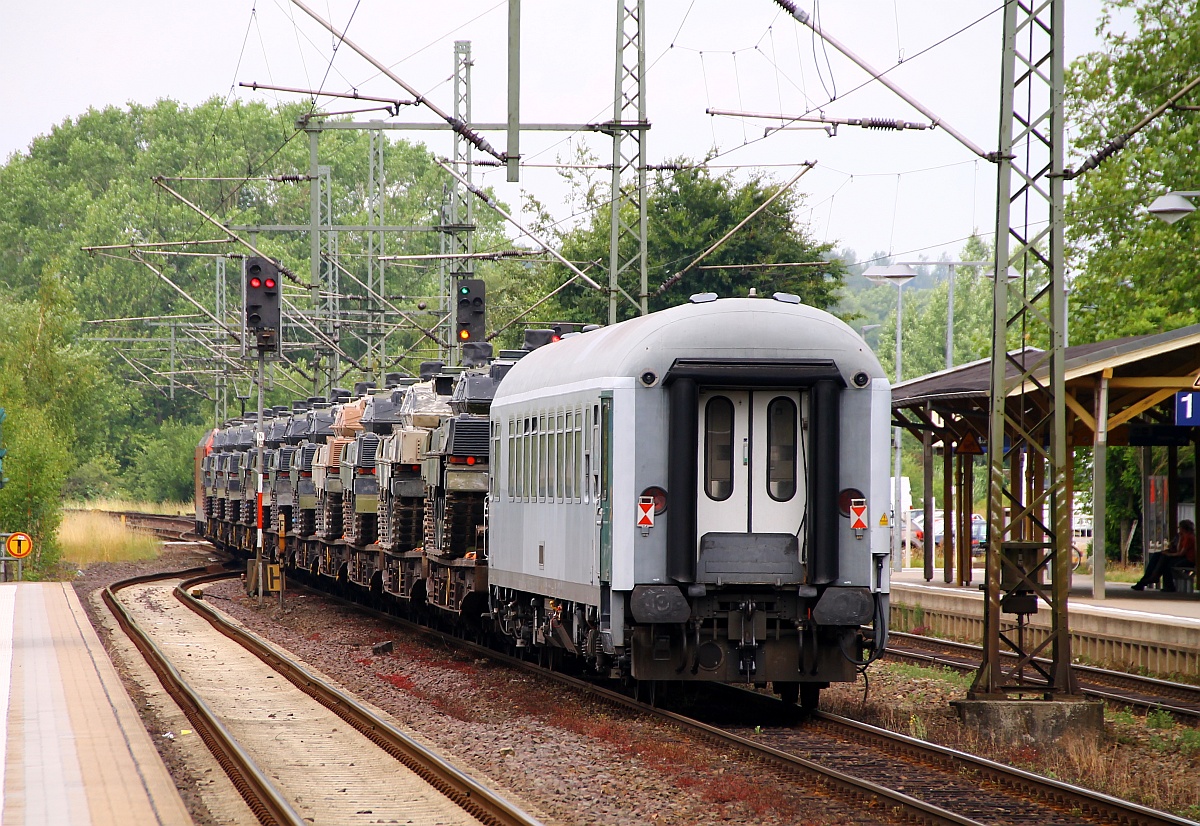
{"x": 1187, "y": 408}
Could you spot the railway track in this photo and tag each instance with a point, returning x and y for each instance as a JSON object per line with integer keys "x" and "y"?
{"x": 971, "y": 789}
{"x": 175, "y": 528}
{"x": 899, "y": 778}
{"x": 1180, "y": 699}
{"x": 298, "y": 750}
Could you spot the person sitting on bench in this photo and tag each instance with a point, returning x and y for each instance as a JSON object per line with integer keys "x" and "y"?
{"x": 1181, "y": 554}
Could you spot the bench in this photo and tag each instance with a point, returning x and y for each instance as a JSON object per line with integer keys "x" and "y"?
{"x": 1185, "y": 579}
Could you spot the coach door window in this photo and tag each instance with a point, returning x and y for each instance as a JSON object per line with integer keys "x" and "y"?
{"x": 781, "y": 449}
{"x": 718, "y": 448}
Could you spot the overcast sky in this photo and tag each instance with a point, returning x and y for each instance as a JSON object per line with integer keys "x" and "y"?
{"x": 915, "y": 194}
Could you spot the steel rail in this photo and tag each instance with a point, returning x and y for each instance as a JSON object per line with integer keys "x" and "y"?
{"x": 1043, "y": 788}
{"x": 481, "y": 802}
{"x": 1046, "y": 790}
{"x": 252, "y": 784}
{"x": 1157, "y": 693}
{"x": 164, "y": 525}
{"x": 907, "y": 807}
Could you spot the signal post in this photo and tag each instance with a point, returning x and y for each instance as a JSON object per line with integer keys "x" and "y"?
{"x": 470, "y": 312}
{"x": 263, "y": 316}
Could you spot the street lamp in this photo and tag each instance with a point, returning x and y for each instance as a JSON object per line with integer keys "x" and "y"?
{"x": 898, "y": 274}
{"x": 1012, "y": 276}
{"x": 1173, "y": 206}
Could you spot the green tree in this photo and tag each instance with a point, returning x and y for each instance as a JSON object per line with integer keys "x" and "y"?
{"x": 688, "y": 209}
{"x": 1132, "y": 273}
{"x": 162, "y": 470}
{"x": 926, "y": 311}
{"x": 47, "y": 387}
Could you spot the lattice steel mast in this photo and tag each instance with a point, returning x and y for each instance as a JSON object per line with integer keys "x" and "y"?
{"x": 1028, "y": 517}
{"x": 628, "y": 129}
{"x": 458, "y": 207}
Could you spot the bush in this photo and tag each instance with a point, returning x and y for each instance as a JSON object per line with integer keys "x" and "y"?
{"x": 36, "y": 467}
{"x": 97, "y": 478}
{"x": 163, "y": 468}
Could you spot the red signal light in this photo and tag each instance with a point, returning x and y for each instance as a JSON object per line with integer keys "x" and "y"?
{"x": 270, "y": 283}
{"x": 256, "y": 282}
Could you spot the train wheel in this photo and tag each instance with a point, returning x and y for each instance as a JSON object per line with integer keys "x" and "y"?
{"x": 789, "y": 692}
{"x": 810, "y": 696}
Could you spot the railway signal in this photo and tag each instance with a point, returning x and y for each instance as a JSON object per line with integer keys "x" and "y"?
{"x": 263, "y": 299}
{"x": 472, "y": 308}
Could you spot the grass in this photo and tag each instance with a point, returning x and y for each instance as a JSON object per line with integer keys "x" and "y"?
{"x": 1116, "y": 572}
{"x": 87, "y": 537}
{"x": 958, "y": 679}
{"x": 163, "y": 508}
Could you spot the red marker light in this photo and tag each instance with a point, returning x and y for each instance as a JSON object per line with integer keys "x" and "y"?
{"x": 270, "y": 283}
{"x": 470, "y": 460}
{"x": 255, "y": 282}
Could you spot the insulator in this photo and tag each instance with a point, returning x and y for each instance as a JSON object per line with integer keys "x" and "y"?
{"x": 883, "y": 123}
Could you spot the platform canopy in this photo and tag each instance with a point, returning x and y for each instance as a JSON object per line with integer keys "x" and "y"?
{"x": 1128, "y": 384}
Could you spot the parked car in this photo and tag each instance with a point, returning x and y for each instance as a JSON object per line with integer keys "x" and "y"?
{"x": 978, "y": 534}
{"x": 918, "y": 525}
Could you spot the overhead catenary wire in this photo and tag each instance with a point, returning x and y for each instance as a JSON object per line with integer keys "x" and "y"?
{"x": 804, "y": 18}
{"x": 483, "y": 196}
{"x": 1118, "y": 143}
{"x": 138, "y": 257}
{"x": 379, "y": 297}
{"x": 874, "y": 78}
{"x": 393, "y": 103}
{"x": 160, "y": 181}
{"x": 456, "y": 124}
{"x": 674, "y": 279}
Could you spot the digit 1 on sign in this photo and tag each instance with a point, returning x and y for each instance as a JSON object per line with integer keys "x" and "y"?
{"x": 1187, "y": 408}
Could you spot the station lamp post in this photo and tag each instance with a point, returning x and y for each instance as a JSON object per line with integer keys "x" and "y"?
{"x": 898, "y": 274}
{"x": 1012, "y": 275}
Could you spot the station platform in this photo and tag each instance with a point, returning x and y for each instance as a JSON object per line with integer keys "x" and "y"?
{"x": 1118, "y": 596}
{"x": 73, "y": 749}
{"x": 1150, "y": 629}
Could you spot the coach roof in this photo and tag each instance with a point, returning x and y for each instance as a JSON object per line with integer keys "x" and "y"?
{"x": 737, "y": 329}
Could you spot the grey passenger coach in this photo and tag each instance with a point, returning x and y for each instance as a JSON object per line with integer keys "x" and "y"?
{"x": 672, "y": 496}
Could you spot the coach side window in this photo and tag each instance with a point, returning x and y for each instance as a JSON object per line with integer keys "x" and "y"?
{"x": 718, "y": 448}
{"x": 781, "y": 449}
{"x": 572, "y": 466}
{"x": 512, "y": 459}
